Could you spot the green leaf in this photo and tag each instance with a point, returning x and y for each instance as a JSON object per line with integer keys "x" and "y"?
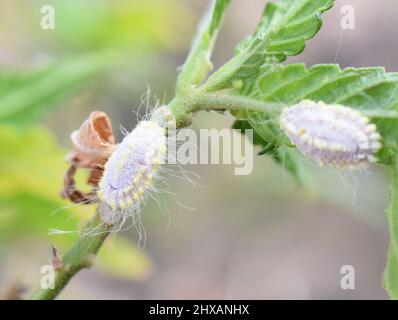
{"x": 289, "y": 159}
{"x": 282, "y": 32}
{"x": 243, "y": 125}
{"x": 285, "y": 156}
{"x": 30, "y": 161}
{"x": 121, "y": 258}
{"x": 31, "y": 174}
{"x": 32, "y": 215}
{"x": 284, "y": 28}
{"x": 134, "y": 26}
{"x": 24, "y": 96}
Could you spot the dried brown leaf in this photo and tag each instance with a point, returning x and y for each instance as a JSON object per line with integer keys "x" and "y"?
{"x": 94, "y": 142}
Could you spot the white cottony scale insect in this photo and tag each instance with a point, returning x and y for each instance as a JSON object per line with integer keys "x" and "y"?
{"x": 331, "y": 134}
{"x": 129, "y": 172}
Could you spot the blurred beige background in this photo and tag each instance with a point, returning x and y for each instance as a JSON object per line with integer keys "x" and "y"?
{"x": 257, "y": 236}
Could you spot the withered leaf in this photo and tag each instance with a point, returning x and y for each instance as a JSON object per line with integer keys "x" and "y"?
{"x": 94, "y": 142}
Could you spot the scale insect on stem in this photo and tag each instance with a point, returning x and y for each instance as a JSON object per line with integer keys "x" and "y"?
{"x": 130, "y": 171}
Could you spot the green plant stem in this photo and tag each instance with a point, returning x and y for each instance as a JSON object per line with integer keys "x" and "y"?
{"x": 391, "y": 273}
{"x": 198, "y": 64}
{"x": 183, "y": 108}
{"x": 234, "y": 103}
{"x": 393, "y": 209}
{"x": 80, "y": 256}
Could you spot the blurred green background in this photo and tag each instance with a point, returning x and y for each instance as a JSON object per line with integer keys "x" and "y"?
{"x": 256, "y": 236}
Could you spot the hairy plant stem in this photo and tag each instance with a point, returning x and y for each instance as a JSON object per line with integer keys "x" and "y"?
{"x": 200, "y": 100}
{"x": 232, "y": 103}
{"x": 80, "y": 256}
{"x": 182, "y": 109}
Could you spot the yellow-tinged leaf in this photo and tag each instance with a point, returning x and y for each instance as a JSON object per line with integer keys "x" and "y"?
{"x": 121, "y": 258}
